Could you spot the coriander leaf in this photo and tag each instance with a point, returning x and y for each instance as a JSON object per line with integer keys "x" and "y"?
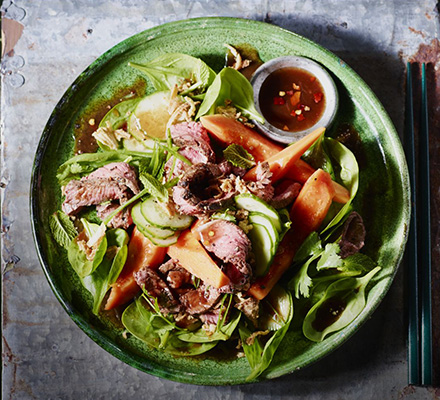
{"x": 311, "y": 246}
{"x": 154, "y": 187}
{"x": 62, "y": 229}
{"x": 358, "y": 262}
{"x": 238, "y": 156}
{"x": 330, "y": 258}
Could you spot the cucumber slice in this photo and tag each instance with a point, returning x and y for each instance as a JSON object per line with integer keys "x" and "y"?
{"x": 262, "y": 247}
{"x": 158, "y": 217}
{"x": 261, "y": 219}
{"x": 150, "y": 117}
{"x": 161, "y": 242}
{"x": 253, "y": 203}
{"x": 142, "y": 223}
{"x": 141, "y": 146}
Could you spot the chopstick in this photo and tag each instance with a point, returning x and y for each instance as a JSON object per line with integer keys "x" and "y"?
{"x": 425, "y": 238}
{"x": 419, "y": 242}
{"x": 412, "y": 256}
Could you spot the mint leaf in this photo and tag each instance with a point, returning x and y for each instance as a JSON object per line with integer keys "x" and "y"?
{"x": 238, "y": 156}
{"x": 62, "y": 228}
{"x": 154, "y": 187}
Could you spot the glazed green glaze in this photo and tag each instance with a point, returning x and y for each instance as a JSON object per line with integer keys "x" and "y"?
{"x": 383, "y": 194}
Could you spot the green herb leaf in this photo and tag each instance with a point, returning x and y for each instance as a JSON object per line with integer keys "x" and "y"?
{"x": 260, "y": 357}
{"x": 83, "y": 164}
{"x": 171, "y": 69}
{"x": 77, "y": 258}
{"x": 62, "y": 228}
{"x": 154, "y": 187}
{"x": 229, "y": 84}
{"x": 342, "y": 302}
{"x": 144, "y": 324}
{"x": 330, "y": 258}
{"x": 238, "y": 156}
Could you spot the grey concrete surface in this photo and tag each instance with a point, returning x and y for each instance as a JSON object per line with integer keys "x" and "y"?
{"x": 45, "y": 355}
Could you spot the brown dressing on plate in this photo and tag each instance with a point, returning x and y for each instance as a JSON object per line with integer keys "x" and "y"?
{"x": 89, "y": 121}
{"x": 292, "y": 99}
{"x": 328, "y": 313}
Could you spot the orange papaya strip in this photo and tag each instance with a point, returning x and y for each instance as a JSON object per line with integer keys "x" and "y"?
{"x": 307, "y": 213}
{"x": 280, "y": 163}
{"x": 301, "y": 171}
{"x": 141, "y": 252}
{"x": 228, "y": 131}
{"x": 192, "y": 256}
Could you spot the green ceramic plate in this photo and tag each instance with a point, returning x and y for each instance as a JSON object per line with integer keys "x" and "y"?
{"x": 382, "y": 199}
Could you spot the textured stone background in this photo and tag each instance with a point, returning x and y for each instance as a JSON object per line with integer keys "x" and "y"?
{"x": 45, "y": 355}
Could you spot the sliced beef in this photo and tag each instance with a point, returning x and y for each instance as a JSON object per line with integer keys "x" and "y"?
{"x": 262, "y": 187}
{"x": 198, "y": 301}
{"x": 194, "y": 143}
{"x": 230, "y": 244}
{"x": 156, "y": 287}
{"x": 353, "y": 235}
{"x": 285, "y": 193}
{"x": 121, "y": 220}
{"x": 120, "y": 172}
{"x": 249, "y": 306}
{"x": 115, "y": 181}
{"x": 210, "y": 317}
{"x": 192, "y": 134}
{"x": 227, "y": 168}
{"x": 176, "y": 276}
{"x": 198, "y": 191}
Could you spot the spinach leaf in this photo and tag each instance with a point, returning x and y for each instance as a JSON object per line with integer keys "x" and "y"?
{"x": 347, "y": 172}
{"x": 146, "y": 326}
{"x": 317, "y": 156}
{"x": 99, "y": 281}
{"x": 83, "y": 164}
{"x": 200, "y": 336}
{"x": 231, "y": 85}
{"x": 62, "y": 229}
{"x": 260, "y": 357}
{"x": 342, "y": 302}
{"x": 172, "y": 69}
{"x": 78, "y": 258}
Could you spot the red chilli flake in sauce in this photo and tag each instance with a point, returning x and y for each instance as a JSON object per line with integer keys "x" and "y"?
{"x": 292, "y": 99}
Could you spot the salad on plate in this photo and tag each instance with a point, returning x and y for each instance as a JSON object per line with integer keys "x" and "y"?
{"x": 200, "y": 232}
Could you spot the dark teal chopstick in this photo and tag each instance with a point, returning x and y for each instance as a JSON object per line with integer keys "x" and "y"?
{"x": 412, "y": 260}
{"x": 425, "y": 239}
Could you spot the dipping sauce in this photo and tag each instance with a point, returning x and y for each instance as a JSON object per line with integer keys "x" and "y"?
{"x": 292, "y": 99}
